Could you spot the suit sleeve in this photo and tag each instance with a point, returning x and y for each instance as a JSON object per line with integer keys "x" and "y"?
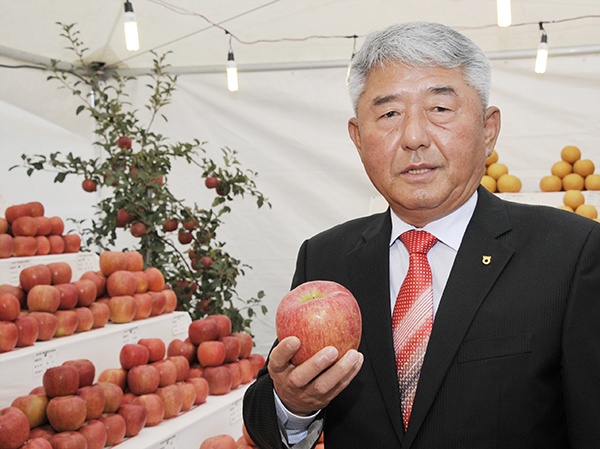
{"x": 581, "y": 348}
{"x": 259, "y": 410}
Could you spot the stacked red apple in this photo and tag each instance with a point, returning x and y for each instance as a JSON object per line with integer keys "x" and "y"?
{"x": 69, "y": 410}
{"x": 149, "y": 377}
{"x": 26, "y": 231}
{"x": 223, "y": 358}
{"x": 132, "y": 292}
{"x": 48, "y": 304}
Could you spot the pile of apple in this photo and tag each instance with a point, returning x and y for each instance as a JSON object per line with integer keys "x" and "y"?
{"x": 48, "y": 304}
{"x": 69, "y": 410}
{"x": 223, "y": 358}
{"x": 25, "y": 231}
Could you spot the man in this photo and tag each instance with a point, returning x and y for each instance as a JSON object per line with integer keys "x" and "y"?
{"x": 513, "y": 355}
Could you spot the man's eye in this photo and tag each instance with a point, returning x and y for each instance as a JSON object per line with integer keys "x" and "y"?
{"x": 390, "y": 114}
{"x": 440, "y": 109}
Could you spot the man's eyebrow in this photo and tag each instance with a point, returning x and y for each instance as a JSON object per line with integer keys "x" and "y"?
{"x": 442, "y": 90}
{"x": 377, "y": 101}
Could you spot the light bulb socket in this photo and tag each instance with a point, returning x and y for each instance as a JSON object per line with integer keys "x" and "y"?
{"x": 128, "y": 6}
{"x": 230, "y": 56}
{"x": 544, "y": 39}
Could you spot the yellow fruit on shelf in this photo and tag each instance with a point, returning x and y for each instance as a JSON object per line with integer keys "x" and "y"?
{"x": 573, "y": 199}
{"x": 583, "y": 167}
{"x": 561, "y": 169}
{"x": 570, "y": 154}
{"x": 592, "y": 182}
{"x": 492, "y": 158}
{"x": 551, "y": 183}
{"x": 573, "y": 181}
{"x": 508, "y": 184}
{"x": 489, "y": 183}
{"x": 496, "y": 170}
{"x": 587, "y": 210}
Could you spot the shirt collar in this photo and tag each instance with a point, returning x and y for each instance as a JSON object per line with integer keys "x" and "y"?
{"x": 448, "y": 230}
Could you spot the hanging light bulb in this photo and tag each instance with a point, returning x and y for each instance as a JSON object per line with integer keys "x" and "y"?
{"x": 542, "y": 52}
{"x": 132, "y": 42}
{"x": 231, "y": 67}
{"x": 504, "y": 13}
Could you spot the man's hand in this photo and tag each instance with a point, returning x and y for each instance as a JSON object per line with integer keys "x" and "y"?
{"x": 309, "y": 387}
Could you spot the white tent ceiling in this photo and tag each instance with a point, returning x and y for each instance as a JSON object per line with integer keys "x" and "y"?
{"x": 277, "y": 32}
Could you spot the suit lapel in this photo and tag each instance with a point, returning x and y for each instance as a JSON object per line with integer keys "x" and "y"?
{"x": 368, "y": 265}
{"x": 478, "y": 263}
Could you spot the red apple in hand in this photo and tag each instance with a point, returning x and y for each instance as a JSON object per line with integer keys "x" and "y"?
{"x": 14, "y": 428}
{"x": 320, "y": 314}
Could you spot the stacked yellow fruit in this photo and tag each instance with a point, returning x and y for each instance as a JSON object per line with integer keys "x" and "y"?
{"x": 496, "y": 177}
{"x": 571, "y": 173}
{"x": 574, "y": 201}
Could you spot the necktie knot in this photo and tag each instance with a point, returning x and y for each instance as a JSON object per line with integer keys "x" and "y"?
{"x": 418, "y": 241}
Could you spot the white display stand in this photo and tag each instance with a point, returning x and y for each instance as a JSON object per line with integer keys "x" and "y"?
{"x": 22, "y": 369}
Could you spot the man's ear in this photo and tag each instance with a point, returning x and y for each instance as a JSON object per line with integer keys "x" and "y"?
{"x": 354, "y": 133}
{"x": 491, "y": 127}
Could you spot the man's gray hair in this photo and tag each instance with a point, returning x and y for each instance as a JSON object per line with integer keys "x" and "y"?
{"x": 420, "y": 44}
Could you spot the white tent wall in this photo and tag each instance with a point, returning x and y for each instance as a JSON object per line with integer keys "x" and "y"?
{"x": 290, "y": 127}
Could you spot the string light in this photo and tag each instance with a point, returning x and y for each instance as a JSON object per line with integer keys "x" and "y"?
{"x": 504, "y": 13}
{"x": 232, "y": 76}
{"x": 132, "y": 42}
{"x": 542, "y": 52}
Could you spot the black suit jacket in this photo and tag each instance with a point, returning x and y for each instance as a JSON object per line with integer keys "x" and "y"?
{"x": 514, "y": 356}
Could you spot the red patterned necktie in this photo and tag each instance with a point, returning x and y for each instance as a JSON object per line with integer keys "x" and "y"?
{"x": 413, "y": 317}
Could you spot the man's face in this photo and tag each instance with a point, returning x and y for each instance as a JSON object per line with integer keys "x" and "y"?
{"x": 423, "y": 137}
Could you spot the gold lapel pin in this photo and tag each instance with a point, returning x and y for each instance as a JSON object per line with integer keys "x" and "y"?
{"x": 486, "y": 260}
